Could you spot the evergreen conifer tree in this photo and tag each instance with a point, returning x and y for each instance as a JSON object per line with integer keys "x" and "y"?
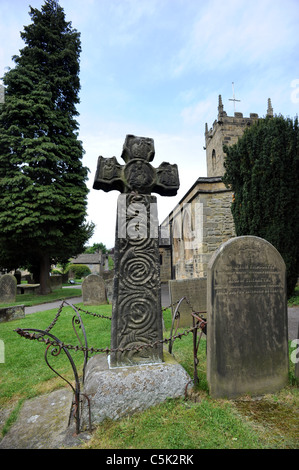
{"x": 42, "y": 179}
{"x": 262, "y": 170}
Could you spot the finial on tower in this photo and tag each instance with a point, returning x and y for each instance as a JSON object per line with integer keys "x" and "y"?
{"x": 220, "y": 104}
{"x": 270, "y": 109}
{"x": 221, "y": 112}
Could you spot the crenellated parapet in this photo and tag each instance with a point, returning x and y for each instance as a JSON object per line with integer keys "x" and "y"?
{"x": 226, "y": 130}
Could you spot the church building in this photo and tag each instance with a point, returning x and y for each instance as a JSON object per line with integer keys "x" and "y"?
{"x": 202, "y": 220}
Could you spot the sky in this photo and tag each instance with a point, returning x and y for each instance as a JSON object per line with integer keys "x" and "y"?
{"x": 155, "y": 68}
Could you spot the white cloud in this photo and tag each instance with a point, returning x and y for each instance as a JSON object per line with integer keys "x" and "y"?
{"x": 237, "y": 32}
{"x": 199, "y": 112}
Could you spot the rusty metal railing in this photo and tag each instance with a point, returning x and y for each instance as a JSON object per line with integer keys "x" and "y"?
{"x": 44, "y": 336}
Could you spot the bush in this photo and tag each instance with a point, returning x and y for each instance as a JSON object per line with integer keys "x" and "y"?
{"x": 79, "y": 270}
{"x": 56, "y": 271}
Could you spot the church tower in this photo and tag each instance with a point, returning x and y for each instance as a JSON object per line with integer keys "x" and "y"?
{"x": 226, "y": 130}
{"x": 205, "y": 208}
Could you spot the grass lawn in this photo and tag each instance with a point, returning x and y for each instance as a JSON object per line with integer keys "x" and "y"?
{"x": 34, "y": 299}
{"x": 197, "y": 422}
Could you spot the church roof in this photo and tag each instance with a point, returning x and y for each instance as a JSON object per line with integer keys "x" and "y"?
{"x": 87, "y": 258}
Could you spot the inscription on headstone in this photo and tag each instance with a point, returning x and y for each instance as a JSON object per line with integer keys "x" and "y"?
{"x": 247, "y": 341}
{"x": 94, "y": 290}
{"x": 8, "y": 288}
{"x": 195, "y": 290}
{"x": 136, "y": 311}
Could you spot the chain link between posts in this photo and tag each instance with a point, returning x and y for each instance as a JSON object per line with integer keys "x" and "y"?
{"x": 40, "y": 337}
{"x": 43, "y": 336}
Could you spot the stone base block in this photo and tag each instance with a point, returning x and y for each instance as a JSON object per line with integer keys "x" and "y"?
{"x": 12, "y": 313}
{"x": 120, "y": 391}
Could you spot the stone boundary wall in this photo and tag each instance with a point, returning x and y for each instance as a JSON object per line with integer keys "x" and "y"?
{"x": 12, "y": 313}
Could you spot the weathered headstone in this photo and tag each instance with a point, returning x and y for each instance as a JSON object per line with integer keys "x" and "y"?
{"x": 108, "y": 277}
{"x": 247, "y": 340}
{"x": 94, "y": 290}
{"x": 56, "y": 281}
{"x": 195, "y": 290}
{"x": 8, "y": 288}
{"x": 136, "y": 311}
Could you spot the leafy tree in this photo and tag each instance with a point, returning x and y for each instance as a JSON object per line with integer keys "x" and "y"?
{"x": 262, "y": 170}
{"x": 96, "y": 247}
{"x": 42, "y": 179}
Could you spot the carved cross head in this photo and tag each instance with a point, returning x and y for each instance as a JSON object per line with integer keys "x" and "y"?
{"x": 137, "y": 175}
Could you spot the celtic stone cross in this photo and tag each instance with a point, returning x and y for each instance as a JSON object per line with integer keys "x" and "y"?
{"x": 136, "y": 307}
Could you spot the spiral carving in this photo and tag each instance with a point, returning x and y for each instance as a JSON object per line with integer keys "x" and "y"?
{"x": 136, "y": 315}
{"x": 137, "y": 312}
{"x": 137, "y": 268}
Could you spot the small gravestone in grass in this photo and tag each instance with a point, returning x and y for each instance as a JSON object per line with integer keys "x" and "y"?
{"x": 94, "y": 290}
{"x": 8, "y": 288}
{"x": 195, "y": 291}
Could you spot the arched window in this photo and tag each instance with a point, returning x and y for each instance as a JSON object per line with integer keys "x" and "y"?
{"x": 213, "y": 160}
{"x": 176, "y": 242}
{"x": 188, "y": 235}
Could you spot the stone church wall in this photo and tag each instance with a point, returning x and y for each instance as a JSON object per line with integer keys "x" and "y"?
{"x": 199, "y": 227}
{"x": 165, "y": 263}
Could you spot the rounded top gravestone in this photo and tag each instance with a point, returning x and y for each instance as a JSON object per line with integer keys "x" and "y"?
{"x": 94, "y": 290}
{"x": 8, "y": 288}
{"x": 247, "y": 343}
